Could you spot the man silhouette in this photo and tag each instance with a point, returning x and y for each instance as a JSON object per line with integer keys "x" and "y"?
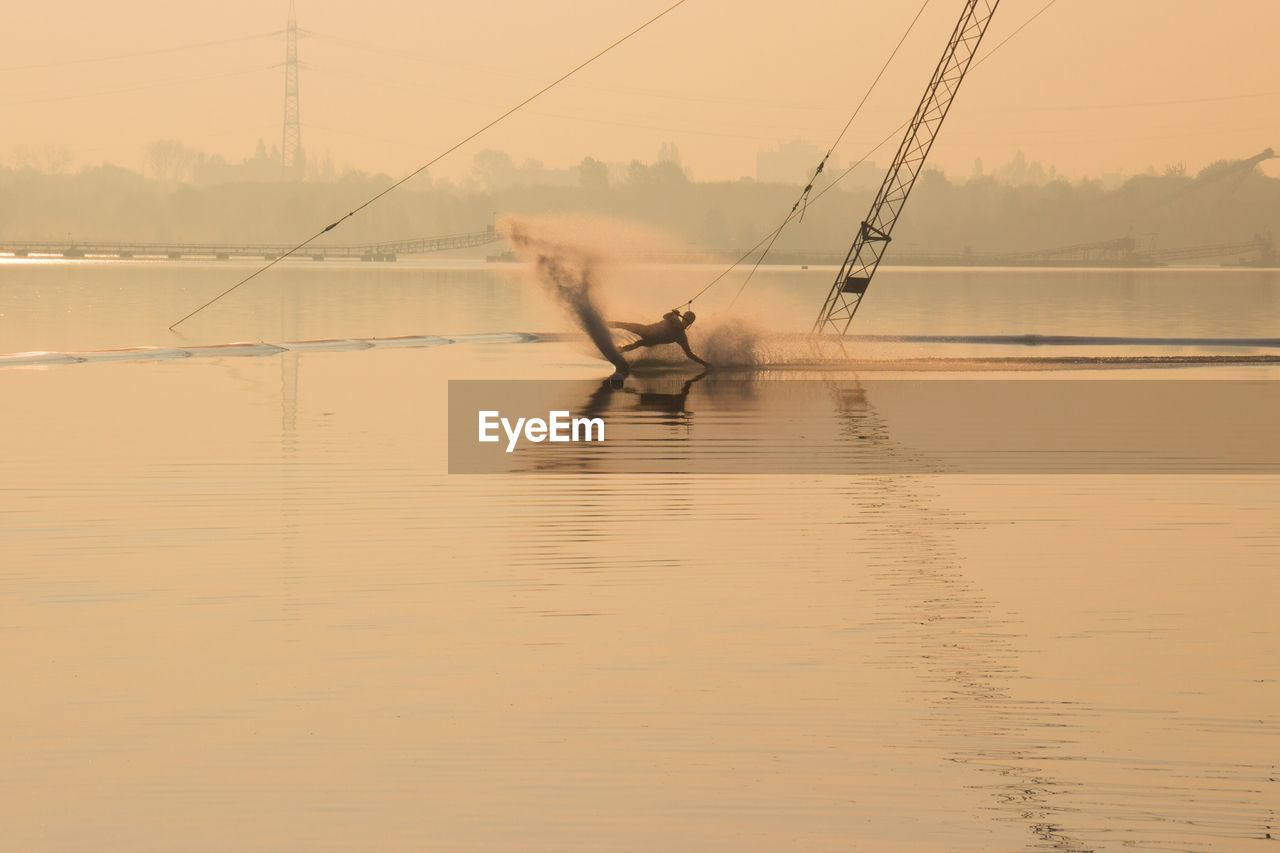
{"x": 669, "y": 330}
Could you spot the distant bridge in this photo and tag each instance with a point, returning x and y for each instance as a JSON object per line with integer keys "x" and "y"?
{"x": 1121, "y": 252}
{"x": 1260, "y": 251}
{"x": 1128, "y": 251}
{"x": 388, "y": 251}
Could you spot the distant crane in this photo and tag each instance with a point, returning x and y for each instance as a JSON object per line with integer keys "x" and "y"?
{"x": 1247, "y": 165}
{"x": 1216, "y": 173}
{"x": 877, "y": 229}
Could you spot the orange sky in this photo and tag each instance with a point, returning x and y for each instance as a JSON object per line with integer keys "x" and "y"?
{"x": 1093, "y": 86}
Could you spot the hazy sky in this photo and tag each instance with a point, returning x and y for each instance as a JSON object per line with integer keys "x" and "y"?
{"x": 1093, "y": 86}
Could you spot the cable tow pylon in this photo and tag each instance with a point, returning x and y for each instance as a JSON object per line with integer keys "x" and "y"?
{"x": 876, "y": 230}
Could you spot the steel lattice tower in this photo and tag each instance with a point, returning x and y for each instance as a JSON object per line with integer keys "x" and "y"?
{"x": 291, "y": 144}
{"x": 876, "y": 230}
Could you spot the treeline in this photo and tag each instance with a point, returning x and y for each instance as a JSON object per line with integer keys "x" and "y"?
{"x": 986, "y": 214}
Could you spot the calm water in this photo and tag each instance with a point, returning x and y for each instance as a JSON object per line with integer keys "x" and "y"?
{"x": 243, "y": 606}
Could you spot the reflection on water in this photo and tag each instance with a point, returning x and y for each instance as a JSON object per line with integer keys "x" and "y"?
{"x": 933, "y": 621}
{"x": 245, "y": 608}
{"x": 671, "y": 406}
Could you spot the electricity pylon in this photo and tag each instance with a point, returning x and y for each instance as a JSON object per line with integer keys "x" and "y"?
{"x": 291, "y": 157}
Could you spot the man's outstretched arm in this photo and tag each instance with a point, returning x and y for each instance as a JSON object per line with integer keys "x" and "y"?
{"x": 684, "y": 345}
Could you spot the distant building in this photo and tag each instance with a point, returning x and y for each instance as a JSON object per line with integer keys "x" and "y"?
{"x": 793, "y": 163}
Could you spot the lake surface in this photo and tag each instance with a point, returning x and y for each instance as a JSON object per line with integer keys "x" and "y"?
{"x": 245, "y": 607}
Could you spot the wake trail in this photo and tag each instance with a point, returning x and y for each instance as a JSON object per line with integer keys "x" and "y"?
{"x": 258, "y": 349}
{"x": 1067, "y": 340}
{"x": 768, "y": 353}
